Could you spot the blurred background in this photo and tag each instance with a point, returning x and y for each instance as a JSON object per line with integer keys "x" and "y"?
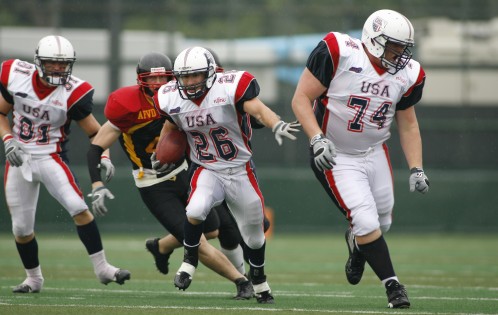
{"x": 456, "y": 43}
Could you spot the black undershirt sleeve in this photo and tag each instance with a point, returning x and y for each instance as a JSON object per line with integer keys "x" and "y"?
{"x": 320, "y": 64}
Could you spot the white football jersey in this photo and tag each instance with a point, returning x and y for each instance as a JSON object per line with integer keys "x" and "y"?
{"x": 40, "y": 123}
{"x": 361, "y": 102}
{"x": 218, "y": 135}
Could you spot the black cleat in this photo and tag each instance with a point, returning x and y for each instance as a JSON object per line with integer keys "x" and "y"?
{"x": 245, "y": 291}
{"x": 356, "y": 262}
{"x": 262, "y": 290}
{"x": 121, "y": 276}
{"x": 161, "y": 260}
{"x": 396, "y": 295}
{"x": 24, "y": 288}
{"x": 184, "y": 275}
{"x": 265, "y": 297}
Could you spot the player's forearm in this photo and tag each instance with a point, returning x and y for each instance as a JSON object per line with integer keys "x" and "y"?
{"x": 93, "y": 160}
{"x": 411, "y": 143}
{"x": 4, "y": 126}
{"x": 303, "y": 110}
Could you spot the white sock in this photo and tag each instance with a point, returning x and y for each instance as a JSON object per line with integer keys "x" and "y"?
{"x": 34, "y": 278}
{"x": 101, "y": 267}
{"x": 236, "y": 257}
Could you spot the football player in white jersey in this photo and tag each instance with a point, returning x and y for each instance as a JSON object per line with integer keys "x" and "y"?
{"x": 358, "y": 87}
{"x": 44, "y": 98}
{"x": 214, "y": 109}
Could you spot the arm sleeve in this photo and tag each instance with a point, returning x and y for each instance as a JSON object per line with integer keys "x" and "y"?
{"x": 414, "y": 94}
{"x": 93, "y": 160}
{"x": 247, "y": 89}
{"x": 6, "y": 95}
{"x": 82, "y": 108}
{"x": 320, "y": 63}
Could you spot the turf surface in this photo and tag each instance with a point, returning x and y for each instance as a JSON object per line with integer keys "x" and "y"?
{"x": 444, "y": 274}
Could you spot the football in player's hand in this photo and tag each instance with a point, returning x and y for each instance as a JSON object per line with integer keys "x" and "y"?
{"x": 171, "y": 147}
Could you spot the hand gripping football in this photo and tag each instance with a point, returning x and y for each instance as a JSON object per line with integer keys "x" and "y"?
{"x": 171, "y": 147}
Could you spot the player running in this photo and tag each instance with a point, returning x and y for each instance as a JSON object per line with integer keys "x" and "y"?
{"x": 44, "y": 98}
{"x": 213, "y": 109}
{"x": 361, "y": 87}
{"x": 133, "y": 119}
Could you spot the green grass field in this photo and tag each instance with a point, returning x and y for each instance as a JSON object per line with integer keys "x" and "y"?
{"x": 444, "y": 274}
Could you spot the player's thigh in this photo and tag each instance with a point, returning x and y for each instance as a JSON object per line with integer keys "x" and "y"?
{"x": 61, "y": 183}
{"x": 21, "y": 197}
{"x": 208, "y": 192}
{"x": 167, "y": 204}
{"x": 350, "y": 184}
{"x": 245, "y": 201}
{"x": 382, "y": 188}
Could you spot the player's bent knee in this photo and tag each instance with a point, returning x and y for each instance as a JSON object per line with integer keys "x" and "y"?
{"x": 22, "y": 231}
{"x": 365, "y": 226}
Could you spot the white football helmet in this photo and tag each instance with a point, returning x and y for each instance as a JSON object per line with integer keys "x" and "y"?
{"x": 59, "y": 49}
{"x": 190, "y": 61}
{"x": 385, "y": 26}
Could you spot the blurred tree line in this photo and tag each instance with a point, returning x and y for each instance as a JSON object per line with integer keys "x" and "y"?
{"x": 229, "y": 18}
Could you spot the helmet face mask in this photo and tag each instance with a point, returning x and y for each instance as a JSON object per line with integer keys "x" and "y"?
{"x": 189, "y": 65}
{"x": 54, "y": 59}
{"x": 388, "y": 35}
{"x": 153, "y": 65}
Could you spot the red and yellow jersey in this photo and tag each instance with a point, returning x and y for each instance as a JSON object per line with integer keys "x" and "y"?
{"x": 136, "y": 117}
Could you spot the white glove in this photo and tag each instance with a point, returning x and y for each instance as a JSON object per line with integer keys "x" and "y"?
{"x": 418, "y": 180}
{"x": 161, "y": 168}
{"x": 323, "y": 152}
{"x": 13, "y": 151}
{"x": 98, "y": 200}
{"x": 283, "y": 129}
{"x": 105, "y": 163}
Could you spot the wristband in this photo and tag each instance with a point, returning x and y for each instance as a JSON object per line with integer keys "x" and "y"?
{"x": 416, "y": 170}
{"x": 316, "y": 138}
{"x": 7, "y": 137}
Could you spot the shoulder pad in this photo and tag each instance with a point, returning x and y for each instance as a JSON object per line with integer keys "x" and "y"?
{"x": 122, "y": 102}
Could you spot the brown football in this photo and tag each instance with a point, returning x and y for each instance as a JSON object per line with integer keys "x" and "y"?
{"x": 171, "y": 147}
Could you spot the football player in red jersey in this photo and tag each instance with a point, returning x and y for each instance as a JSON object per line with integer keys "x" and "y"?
{"x": 133, "y": 119}
{"x": 44, "y": 98}
{"x": 359, "y": 87}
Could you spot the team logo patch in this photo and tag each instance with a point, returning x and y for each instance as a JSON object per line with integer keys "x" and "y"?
{"x": 356, "y": 69}
{"x": 175, "y": 110}
{"x": 378, "y": 24}
{"x": 21, "y": 94}
{"x": 350, "y": 43}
